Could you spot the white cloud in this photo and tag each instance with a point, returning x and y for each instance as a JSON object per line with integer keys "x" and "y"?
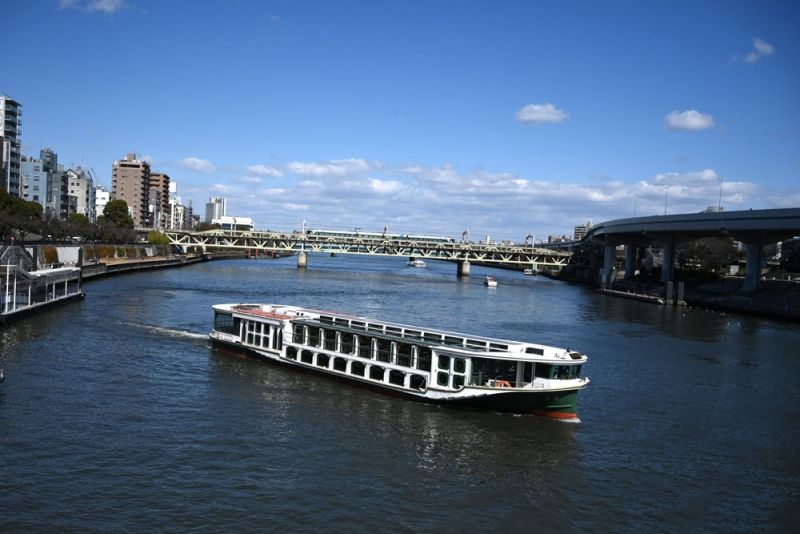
{"x": 265, "y": 170}
{"x": 385, "y": 186}
{"x": 250, "y": 180}
{"x": 539, "y": 113}
{"x": 689, "y": 120}
{"x": 443, "y": 199}
{"x": 105, "y": 6}
{"x": 148, "y": 158}
{"x": 337, "y": 167}
{"x": 197, "y": 164}
{"x": 760, "y": 49}
{"x": 706, "y": 176}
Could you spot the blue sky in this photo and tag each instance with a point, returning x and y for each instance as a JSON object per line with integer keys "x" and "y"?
{"x": 506, "y": 118}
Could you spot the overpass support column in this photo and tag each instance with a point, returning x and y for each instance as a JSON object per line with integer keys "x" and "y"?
{"x": 630, "y": 261}
{"x": 752, "y": 279}
{"x": 609, "y": 254}
{"x": 302, "y": 259}
{"x": 668, "y": 265}
{"x": 462, "y": 269}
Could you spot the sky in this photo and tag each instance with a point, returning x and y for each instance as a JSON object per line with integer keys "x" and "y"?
{"x": 501, "y": 118}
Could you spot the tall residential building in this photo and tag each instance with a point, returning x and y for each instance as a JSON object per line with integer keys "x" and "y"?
{"x": 216, "y": 208}
{"x": 158, "y": 200}
{"x": 581, "y": 229}
{"x": 101, "y": 198}
{"x": 80, "y": 185}
{"x": 130, "y": 181}
{"x": 33, "y": 180}
{"x": 10, "y": 122}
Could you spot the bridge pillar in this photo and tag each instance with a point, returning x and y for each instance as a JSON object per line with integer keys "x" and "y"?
{"x": 302, "y": 259}
{"x": 462, "y": 269}
{"x": 609, "y": 254}
{"x": 630, "y": 261}
{"x": 668, "y": 264}
{"x": 752, "y": 279}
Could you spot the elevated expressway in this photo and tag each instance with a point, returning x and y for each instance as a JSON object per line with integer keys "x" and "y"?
{"x": 755, "y": 228}
{"x": 462, "y": 253}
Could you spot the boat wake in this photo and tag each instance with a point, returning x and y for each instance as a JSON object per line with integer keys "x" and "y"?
{"x": 172, "y": 332}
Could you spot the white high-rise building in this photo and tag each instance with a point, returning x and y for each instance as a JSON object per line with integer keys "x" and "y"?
{"x": 216, "y": 208}
{"x": 81, "y": 186}
{"x": 101, "y": 198}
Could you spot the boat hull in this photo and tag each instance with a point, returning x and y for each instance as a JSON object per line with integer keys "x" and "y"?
{"x": 561, "y": 405}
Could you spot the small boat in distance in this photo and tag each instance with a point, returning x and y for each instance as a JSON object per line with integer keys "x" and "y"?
{"x": 490, "y": 281}
{"x": 415, "y": 262}
{"x": 529, "y": 272}
{"x": 415, "y": 362}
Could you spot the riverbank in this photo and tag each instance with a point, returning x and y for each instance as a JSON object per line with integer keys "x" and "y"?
{"x": 775, "y": 299}
{"x": 112, "y": 266}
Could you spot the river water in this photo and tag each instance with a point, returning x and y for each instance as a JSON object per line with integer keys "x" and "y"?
{"x": 116, "y": 415}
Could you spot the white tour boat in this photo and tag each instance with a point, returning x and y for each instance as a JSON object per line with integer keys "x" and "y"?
{"x": 415, "y": 262}
{"x": 529, "y": 272}
{"x": 490, "y": 281}
{"x": 421, "y": 363}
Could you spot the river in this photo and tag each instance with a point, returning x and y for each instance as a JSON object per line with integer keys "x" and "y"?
{"x": 116, "y": 415}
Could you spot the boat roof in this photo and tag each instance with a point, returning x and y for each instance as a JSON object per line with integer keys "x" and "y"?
{"x": 356, "y": 324}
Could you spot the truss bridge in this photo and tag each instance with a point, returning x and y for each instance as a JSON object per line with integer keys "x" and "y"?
{"x": 425, "y": 247}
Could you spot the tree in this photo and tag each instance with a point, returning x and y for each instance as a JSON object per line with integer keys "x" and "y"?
{"x": 116, "y": 211}
{"x": 154, "y": 237}
{"x": 79, "y": 224}
{"x": 18, "y": 214}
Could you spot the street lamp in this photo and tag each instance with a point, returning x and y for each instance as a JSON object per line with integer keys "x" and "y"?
{"x": 719, "y": 205}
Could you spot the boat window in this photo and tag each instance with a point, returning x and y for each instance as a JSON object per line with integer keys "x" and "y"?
{"x": 454, "y": 341}
{"x": 417, "y": 382}
{"x": 340, "y": 364}
{"x": 375, "y": 328}
{"x": 357, "y": 325}
{"x": 278, "y": 345}
{"x": 326, "y": 319}
{"x": 297, "y": 333}
{"x": 444, "y": 362}
{"x": 393, "y": 330}
{"x": 376, "y": 373}
{"x": 323, "y": 360}
{"x": 433, "y": 338}
{"x": 459, "y": 365}
{"x": 442, "y": 378}
{"x": 330, "y": 340}
{"x": 291, "y": 353}
{"x": 497, "y": 346}
{"x": 458, "y": 381}
{"x": 424, "y": 358}
{"x": 346, "y": 342}
{"x": 527, "y": 371}
{"x": 357, "y": 368}
{"x": 485, "y": 369}
{"x": 534, "y": 350}
{"x": 223, "y": 322}
{"x": 475, "y": 344}
{"x": 339, "y": 321}
{"x": 542, "y": 370}
{"x": 414, "y": 334}
{"x": 306, "y": 356}
{"x": 403, "y": 351}
{"x": 313, "y": 336}
{"x": 398, "y": 378}
{"x": 383, "y": 354}
{"x": 364, "y": 347}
